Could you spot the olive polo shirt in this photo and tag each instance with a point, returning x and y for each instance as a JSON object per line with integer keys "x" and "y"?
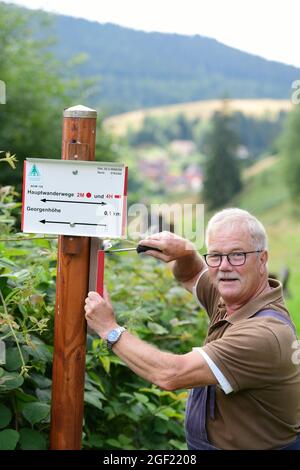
{"x": 255, "y": 355}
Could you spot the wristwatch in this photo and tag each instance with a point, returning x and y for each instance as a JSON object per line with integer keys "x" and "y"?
{"x": 114, "y": 335}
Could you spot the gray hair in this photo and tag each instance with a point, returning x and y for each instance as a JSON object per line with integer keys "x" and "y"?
{"x": 235, "y": 216}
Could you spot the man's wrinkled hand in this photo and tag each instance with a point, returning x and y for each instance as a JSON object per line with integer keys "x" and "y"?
{"x": 171, "y": 245}
{"x": 99, "y": 313}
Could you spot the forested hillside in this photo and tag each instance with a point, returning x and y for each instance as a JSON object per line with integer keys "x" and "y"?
{"x": 139, "y": 69}
{"x": 134, "y": 69}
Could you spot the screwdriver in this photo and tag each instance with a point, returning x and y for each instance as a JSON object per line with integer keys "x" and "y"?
{"x": 100, "y": 261}
{"x": 138, "y": 249}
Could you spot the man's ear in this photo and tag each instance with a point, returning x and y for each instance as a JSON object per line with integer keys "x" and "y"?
{"x": 264, "y": 256}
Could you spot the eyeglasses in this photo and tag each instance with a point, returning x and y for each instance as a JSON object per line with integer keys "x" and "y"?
{"x": 237, "y": 258}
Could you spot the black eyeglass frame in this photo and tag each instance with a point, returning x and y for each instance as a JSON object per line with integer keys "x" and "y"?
{"x": 245, "y": 253}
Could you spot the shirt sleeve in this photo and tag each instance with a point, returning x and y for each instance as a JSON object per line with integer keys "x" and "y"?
{"x": 205, "y": 292}
{"x": 223, "y": 382}
{"x": 247, "y": 355}
{"x": 195, "y": 287}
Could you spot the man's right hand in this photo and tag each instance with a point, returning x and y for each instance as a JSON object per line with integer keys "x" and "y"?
{"x": 172, "y": 246}
{"x": 187, "y": 263}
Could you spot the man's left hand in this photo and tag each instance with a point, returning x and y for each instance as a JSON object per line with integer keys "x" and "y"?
{"x": 99, "y": 313}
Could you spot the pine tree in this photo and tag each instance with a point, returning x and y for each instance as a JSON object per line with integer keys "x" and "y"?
{"x": 222, "y": 171}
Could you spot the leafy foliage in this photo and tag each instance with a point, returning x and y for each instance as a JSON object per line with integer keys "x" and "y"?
{"x": 122, "y": 411}
{"x": 160, "y": 131}
{"x": 10, "y": 159}
{"x": 134, "y": 414}
{"x": 257, "y": 135}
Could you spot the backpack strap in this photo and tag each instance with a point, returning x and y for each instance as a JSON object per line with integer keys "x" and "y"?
{"x": 275, "y": 314}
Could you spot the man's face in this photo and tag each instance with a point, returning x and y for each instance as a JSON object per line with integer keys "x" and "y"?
{"x": 236, "y": 284}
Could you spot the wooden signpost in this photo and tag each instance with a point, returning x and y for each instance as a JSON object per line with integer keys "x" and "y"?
{"x": 78, "y": 143}
{"x": 77, "y": 198}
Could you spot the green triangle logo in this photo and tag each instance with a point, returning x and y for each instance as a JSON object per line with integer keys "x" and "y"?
{"x": 34, "y": 171}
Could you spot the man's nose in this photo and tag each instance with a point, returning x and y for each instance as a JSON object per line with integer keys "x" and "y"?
{"x": 225, "y": 265}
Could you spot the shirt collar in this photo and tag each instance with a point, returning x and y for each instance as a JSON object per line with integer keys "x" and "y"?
{"x": 254, "y": 305}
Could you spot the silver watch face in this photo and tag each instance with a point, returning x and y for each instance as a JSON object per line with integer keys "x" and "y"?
{"x": 113, "y": 335}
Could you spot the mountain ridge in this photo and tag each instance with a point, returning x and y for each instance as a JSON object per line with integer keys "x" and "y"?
{"x": 138, "y": 69}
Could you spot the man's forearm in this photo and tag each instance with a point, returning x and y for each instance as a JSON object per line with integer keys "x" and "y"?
{"x": 145, "y": 360}
{"x": 166, "y": 370}
{"x": 187, "y": 267}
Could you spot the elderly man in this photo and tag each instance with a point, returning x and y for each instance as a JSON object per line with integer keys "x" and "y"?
{"x": 245, "y": 387}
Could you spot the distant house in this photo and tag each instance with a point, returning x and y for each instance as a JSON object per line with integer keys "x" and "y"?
{"x": 193, "y": 177}
{"x": 175, "y": 183}
{"x": 153, "y": 169}
{"x": 156, "y": 168}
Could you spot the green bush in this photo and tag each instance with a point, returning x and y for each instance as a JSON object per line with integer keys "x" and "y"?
{"x": 121, "y": 411}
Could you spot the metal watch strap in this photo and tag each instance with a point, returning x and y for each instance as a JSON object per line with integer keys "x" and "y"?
{"x": 119, "y": 329}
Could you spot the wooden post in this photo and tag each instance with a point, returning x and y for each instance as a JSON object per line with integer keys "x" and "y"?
{"x": 78, "y": 143}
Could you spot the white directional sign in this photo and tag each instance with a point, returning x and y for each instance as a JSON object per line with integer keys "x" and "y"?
{"x": 67, "y": 197}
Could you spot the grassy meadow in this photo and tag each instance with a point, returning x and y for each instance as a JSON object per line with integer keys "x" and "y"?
{"x": 204, "y": 109}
